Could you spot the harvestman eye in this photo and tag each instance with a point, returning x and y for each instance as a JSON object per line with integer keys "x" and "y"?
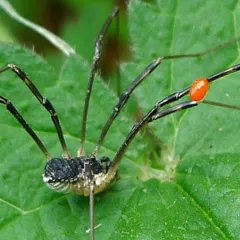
{"x": 89, "y": 175}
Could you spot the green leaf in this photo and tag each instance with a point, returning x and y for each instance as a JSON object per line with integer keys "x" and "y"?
{"x": 187, "y": 189}
{"x": 5, "y": 35}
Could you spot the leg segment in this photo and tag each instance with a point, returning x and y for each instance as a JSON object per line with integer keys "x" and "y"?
{"x": 223, "y": 73}
{"x": 44, "y": 102}
{"x": 117, "y": 55}
{"x": 125, "y": 96}
{"x": 123, "y": 100}
{"x": 145, "y": 120}
{"x": 20, "y": 119}
{"x": 91, "y": 203}
{"x": 221, "y": 104}
{"x": 194, "y": 55}
{"x": 96, "y": 58}
{"x": 107, "y": 161}
{"x": 155, "y": 114}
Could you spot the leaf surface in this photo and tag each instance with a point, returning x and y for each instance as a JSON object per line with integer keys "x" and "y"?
{"x": 187, "y": 189}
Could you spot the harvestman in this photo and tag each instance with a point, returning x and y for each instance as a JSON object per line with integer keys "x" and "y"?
{"x": 87, "y": 175}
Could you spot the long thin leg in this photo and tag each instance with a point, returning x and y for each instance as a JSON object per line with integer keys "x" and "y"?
{"x": 96, "y": 58}
{"x": 125, "y": 95}
{"x": 155, "y": 114}
{"x": 44, "y": 102}
{"x": 123, "y": 100}
{"x": 194, "y": 55}
{"x": 186, "y": 105}
{"x": 138, "y": 126}
{"x": 220, "y": 104}
{"x": 91, "y": 203}
{"x": 21, "y": 120}
{"x": 224, "y": 73}
{"x": 117, "y": 55}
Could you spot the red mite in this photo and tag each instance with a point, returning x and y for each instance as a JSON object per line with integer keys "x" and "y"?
{"x": 199, "y": 89}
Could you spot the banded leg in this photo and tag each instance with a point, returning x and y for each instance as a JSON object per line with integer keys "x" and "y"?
{"x": 44, "y": 102}
{"x": 21, "y": 120}
{"x": 125, "y": 95}
{"x": 96, "y": 58}
{"x": 155, "y": 113}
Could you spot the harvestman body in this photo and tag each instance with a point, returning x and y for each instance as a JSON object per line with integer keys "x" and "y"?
{"x": 86, "y": 175}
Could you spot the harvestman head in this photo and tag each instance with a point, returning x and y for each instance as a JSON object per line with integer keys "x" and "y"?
{"x": 87, "y": 175}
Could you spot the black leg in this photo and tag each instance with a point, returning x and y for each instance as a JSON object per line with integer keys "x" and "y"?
{"x": 117, "y": 55}
{"x": 123, "y": 100}
{"x": 125, "y": 95}
{"x": 20, "y": 119}
{"x": 107, "y": 161}
{"x": 186, "y": 105}
{"x": 96, "y": 58}
{"x": 223, "y": 73}
{"x": 155, "y": 114}
{"x": 176, "y": 108}
{"x": 45, "y": 102}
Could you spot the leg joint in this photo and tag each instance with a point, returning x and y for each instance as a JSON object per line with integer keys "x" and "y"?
{"x": 18, "y": 71}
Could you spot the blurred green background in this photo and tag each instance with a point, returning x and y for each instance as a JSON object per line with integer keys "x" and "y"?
{"x": 77, "y": 22}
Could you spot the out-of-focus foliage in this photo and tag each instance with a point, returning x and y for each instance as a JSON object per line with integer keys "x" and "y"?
{"x": 77, "y": 22}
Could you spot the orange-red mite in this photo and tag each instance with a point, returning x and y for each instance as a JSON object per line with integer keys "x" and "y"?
{"x": 199, "y": 89}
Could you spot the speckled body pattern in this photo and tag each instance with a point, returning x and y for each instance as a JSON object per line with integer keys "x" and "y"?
{"x": 76, "y": 174}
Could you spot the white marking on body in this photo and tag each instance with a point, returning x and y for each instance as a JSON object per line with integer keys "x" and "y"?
{"x": 46, "y": 179}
